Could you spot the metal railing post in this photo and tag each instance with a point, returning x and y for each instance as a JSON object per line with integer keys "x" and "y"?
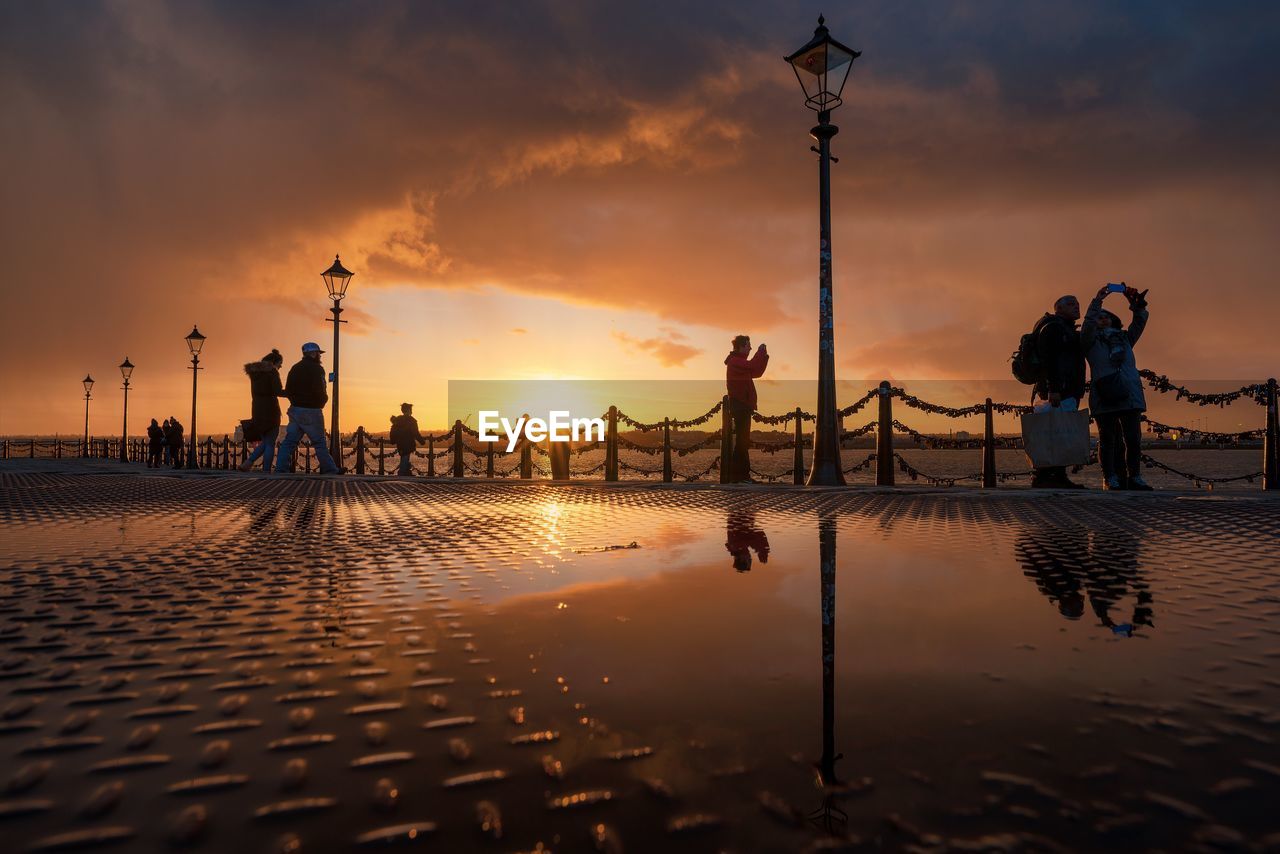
{"x": 884, "y": 438}
{"x": 526, "y": 460}
{"x": 989, "y": 448}
{"x": 611, "y": 446}
{"x": 488, "y": 460}
{"x": 797, "y": 458}
{"x": 458, "y": 468}
{"x": 1270, "y": 468}
{"x": 360, "y": 450}
{"x": 726, "y": 441}
{"x": 382, "y": 455}
{"x": 431, "y": 455}
{"x": 666, "y": 450}
{"x": 226, "y": 452}
{"x": 306, "y": 456}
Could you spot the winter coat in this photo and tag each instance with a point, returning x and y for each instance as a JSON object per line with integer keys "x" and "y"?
{"x": 306, "y": 386}
{"x": 1058, "y": 344}
{"x": 739, "y": 376}
{"x": 1110, "y": 351}
{"x": 264, "y": 385}
{"x": 173, "y": 436}
{"x": 156, "y": 436}
{"x": 404, "y": 433}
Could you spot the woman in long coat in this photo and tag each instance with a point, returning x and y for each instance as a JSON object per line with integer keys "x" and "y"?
{"x": 264, "y": 425}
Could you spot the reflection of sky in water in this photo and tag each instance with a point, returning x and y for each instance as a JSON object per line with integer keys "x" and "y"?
{"x": 973, "y": 635}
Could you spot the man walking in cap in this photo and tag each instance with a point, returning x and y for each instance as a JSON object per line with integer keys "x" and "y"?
{"x": 307, "y": 393}
{"x": 405, "y": 436}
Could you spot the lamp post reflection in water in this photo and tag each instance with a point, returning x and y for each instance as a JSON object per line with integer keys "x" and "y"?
{"x": 828, "y": 813}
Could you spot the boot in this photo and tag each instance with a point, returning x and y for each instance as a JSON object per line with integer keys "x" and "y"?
{"x": 1111, "y": 483}
{"x": 1137, "y": 484}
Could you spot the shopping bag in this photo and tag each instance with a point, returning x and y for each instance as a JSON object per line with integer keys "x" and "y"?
{"x": 1056, "y": 438}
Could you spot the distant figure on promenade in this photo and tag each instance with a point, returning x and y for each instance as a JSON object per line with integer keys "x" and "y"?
{"x": 177, "y": 449}
{"x": 308, "y": 393}
{"x": 1116, "y": 400}
{"x": 406, "y": 437}
{"x": 264, "y": 420}
{"x": 155, "y": 444}
{"x": 741, "y": 536}
{"x": 166, "y": 430}
{"x": 1058, "y": 345}
{"x": 740, "y": 373}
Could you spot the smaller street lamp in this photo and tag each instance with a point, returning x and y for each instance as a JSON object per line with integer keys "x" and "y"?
{"x": 88, "y": 388}
{"x": 195, "y": 343}
{"x": 126, "y": 371}
{"x": 336, "y": 280}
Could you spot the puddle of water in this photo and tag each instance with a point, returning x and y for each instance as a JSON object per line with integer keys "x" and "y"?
{"x": 763, "y": 671}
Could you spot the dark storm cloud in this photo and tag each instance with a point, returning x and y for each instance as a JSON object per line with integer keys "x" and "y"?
{"x": 166, "y": 159}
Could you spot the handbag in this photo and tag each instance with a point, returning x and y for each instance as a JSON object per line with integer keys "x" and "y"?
{"x": 1111, "y": 389}
{"x": 250, "y": 432}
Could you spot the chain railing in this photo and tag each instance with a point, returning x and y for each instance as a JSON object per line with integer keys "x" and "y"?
{"x": 461, "y": 452}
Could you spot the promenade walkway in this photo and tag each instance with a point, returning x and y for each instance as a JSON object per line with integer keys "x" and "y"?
{"x": 243, "y": 662}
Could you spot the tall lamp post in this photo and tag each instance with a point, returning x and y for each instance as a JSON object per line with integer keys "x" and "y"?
{"x": 336, "y": 279}
{"x": 195, "y": 343}
{"x": 88, "y": 387}
{"x": 126, "y": 371}
{"x": 822, "y": 66}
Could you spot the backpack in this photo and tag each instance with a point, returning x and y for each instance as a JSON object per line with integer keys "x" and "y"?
{"x": 1026, "y": 364}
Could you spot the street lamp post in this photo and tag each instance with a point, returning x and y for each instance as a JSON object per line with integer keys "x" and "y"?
{"x": 126, "y": 371}
{"x": 822, "y": 66}
{"x": 88, "y": 388}
{"x": 336, "y": 279}
{"x": 195, "y": 343}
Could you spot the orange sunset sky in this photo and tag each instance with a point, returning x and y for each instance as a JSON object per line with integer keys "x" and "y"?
{"x": 612, "y": 190}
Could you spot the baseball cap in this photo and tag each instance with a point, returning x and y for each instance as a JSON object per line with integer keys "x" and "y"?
{"x": 311, "y": 347}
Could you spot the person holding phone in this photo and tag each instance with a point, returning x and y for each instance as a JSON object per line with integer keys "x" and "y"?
{"x": 1116, "y": 399}
{"x": 740, "y": 374}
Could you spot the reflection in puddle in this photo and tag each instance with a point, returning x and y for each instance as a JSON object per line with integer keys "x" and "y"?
{"x": 488, "y": 664}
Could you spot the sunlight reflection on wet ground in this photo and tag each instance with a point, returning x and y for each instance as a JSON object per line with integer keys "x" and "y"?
{"x": 497, "y": 666}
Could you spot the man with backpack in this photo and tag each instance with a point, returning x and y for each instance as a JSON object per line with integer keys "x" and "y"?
{"x": 1051, "y": 359}
{"x": 405, "y": 436}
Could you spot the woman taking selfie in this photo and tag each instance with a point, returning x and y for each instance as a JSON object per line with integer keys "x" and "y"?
{"x": 1115, "y": 388}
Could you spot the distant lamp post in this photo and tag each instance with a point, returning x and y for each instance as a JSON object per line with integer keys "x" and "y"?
{"x": 126, "y": 371}
{"x": 336, "y": 280}
{"x": 88, "y": 389}
{"x": 822, "y": 66}
{"x": 195, "y": 343}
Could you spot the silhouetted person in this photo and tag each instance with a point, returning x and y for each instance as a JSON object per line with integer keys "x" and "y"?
{"x": 177, "y": 450}
{"x": 1058, "y": 345}
{"x": 167, "y": 430}
{"x": 406, "y": 437}
{"x": 1116, "y": 399}
{"x": 1098, "y": 569}
{"x": 308, "y": 393}
{"x": 741, "y": 536}
{"x": 740, "y": 374}
{"x": 155, "y": 444}
{"x": 264, "y": 427}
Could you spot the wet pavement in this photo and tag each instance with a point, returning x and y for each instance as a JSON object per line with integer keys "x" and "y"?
{"x": 250, "y": 664}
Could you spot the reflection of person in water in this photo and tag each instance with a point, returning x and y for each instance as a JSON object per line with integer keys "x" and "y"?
{"x": 742, "y": 536}
{"x": 1101, "y": 568}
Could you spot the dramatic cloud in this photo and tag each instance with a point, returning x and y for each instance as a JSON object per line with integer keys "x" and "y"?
{"x": 172, "y": 163}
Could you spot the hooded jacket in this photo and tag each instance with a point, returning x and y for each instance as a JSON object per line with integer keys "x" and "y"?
{"x": 306, "y": 387}
{"x": 1110, "y": 351}
{"x": 739, "y": 376}
{"x": 404, "y": 433}
{"x": 264, "y": 385}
